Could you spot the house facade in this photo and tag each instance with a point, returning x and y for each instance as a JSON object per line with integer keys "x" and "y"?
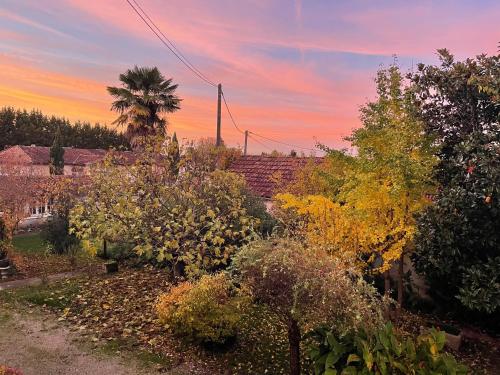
{"x": 35, "y": 160}
{"x": 31, "y": 165}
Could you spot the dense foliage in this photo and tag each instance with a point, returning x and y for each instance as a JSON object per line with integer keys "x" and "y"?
{"x": 205, "y": 153}
{"x": 192, "y": 222}
{"x": 305, "y": 287}
{"x": 458, "y": 242}
{"x": 457, "y": 98}
{"x": 19, "y": 127}
{"x": 207, "y": 311}
{"x": 62, "y": 192}
{"x": 55, "y": 233}
{"x": 379, "y": 353}
{"x": 255, "y": 207}
{"x": 145, "y": 95}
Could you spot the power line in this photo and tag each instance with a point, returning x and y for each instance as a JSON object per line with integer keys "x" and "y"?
{"x": 171, "y": 46}
{"x": 283, "y": 143}
{"x": 259, "y": 142}
{"x": 173, "y": 50}
{"x": 258, "y": 135}
{"x": 172, "y": 43}
{"x": 230, "y": 115}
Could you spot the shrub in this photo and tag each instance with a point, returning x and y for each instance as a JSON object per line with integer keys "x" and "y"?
{"x": 56, "y": 233}
{"x": 305, "y": 287}
{"x": 382, "y": 352}
{"x": 255, "y": 207}
{"x": 192, "y": 222}
{"x": 206, "y": 311}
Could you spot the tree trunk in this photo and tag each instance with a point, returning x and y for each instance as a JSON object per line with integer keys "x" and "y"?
{"x": 387, "y": 283}
{"x": 400, "y": 284}
{"x": 104, "y": 249}
{"x": 294, "y": 343}
{"x": 387, "y": 289}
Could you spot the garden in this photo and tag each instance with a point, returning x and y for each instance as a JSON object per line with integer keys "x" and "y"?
{"x": 327, "y": 282}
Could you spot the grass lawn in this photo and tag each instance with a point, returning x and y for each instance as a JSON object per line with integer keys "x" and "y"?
{"x": 31, "y": 258}
{"x": 29, "y": 243}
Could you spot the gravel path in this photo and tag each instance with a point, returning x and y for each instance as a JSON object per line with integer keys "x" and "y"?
{"x": 37, "y": 345}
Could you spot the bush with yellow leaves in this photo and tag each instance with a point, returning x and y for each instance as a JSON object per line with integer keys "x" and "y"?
{"x": 206, "y": 311}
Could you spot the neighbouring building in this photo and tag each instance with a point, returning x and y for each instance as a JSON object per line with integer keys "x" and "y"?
{"x": 266, "y": 175}
{"x": 32, "y": 165}
{"x": 35, "y": 160}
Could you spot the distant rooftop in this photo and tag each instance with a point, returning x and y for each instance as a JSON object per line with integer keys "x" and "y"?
{"x": 263, "y": 173}
{"x": 39, "y": 155}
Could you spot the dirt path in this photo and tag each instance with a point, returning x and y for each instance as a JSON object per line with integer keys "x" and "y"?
{"x": 37, "y": 345}
{"x": 34, "y": 281}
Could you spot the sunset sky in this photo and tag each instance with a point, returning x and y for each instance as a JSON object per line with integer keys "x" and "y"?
{"x": 292, "y": 70}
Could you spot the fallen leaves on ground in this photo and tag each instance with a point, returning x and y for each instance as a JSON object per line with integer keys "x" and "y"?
{"x": 41, "y": 265}
{"x": 122, "y": 307}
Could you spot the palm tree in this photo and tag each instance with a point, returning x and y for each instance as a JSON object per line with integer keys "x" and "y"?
{"x": 145, "y": 95}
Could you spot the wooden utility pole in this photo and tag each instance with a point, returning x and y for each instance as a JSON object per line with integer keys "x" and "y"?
{"x": 218, "y": 142}
{"x": 246, "y": 142}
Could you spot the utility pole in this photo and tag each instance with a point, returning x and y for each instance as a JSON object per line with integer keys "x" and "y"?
{"x": 218, "y": 142}
{"x": 246, "y": 142}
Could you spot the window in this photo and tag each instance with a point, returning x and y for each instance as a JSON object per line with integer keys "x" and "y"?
{"x": 50, "y": 203}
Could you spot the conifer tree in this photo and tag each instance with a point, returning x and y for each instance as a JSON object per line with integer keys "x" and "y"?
{"x": 174, "y": 155}
{"x": 57, "y": 155}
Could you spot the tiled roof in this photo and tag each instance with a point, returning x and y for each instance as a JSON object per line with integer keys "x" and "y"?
{"x": 264, "y": 173}
{"x": 72, "y": 156}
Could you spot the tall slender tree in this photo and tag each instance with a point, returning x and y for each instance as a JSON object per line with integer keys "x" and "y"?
{"x": 174, "y": 155}
{"x": 145, "y": 95}
{"x": 57, "y": 155}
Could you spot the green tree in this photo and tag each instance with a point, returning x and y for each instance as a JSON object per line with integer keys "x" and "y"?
{"x": 458, "y": 242}
{"x": 193, "y": 222}
{"x": 20, "y": 127}
{"x": 145, "y": 94}
{"x": 57, "y": 155}
{"x": 455, "y": 99}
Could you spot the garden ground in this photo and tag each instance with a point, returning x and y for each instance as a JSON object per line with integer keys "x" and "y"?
{"x": 107, "y": 324}
{"x": 37, "y": 344}
{"x": 31, "y": 258}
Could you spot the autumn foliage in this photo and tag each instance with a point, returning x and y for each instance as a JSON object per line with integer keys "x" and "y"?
{"x": 192, "y": 222}
{"x": 208, "y": 310}
{"x": 365, "y": 211}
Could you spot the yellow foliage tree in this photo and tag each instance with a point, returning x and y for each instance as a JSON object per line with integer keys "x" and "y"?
{"x": 367, "y": 216}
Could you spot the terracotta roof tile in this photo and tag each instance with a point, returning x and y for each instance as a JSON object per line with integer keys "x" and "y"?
{"x": 263, "y": 173}
{"x": 72, "y": 156}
